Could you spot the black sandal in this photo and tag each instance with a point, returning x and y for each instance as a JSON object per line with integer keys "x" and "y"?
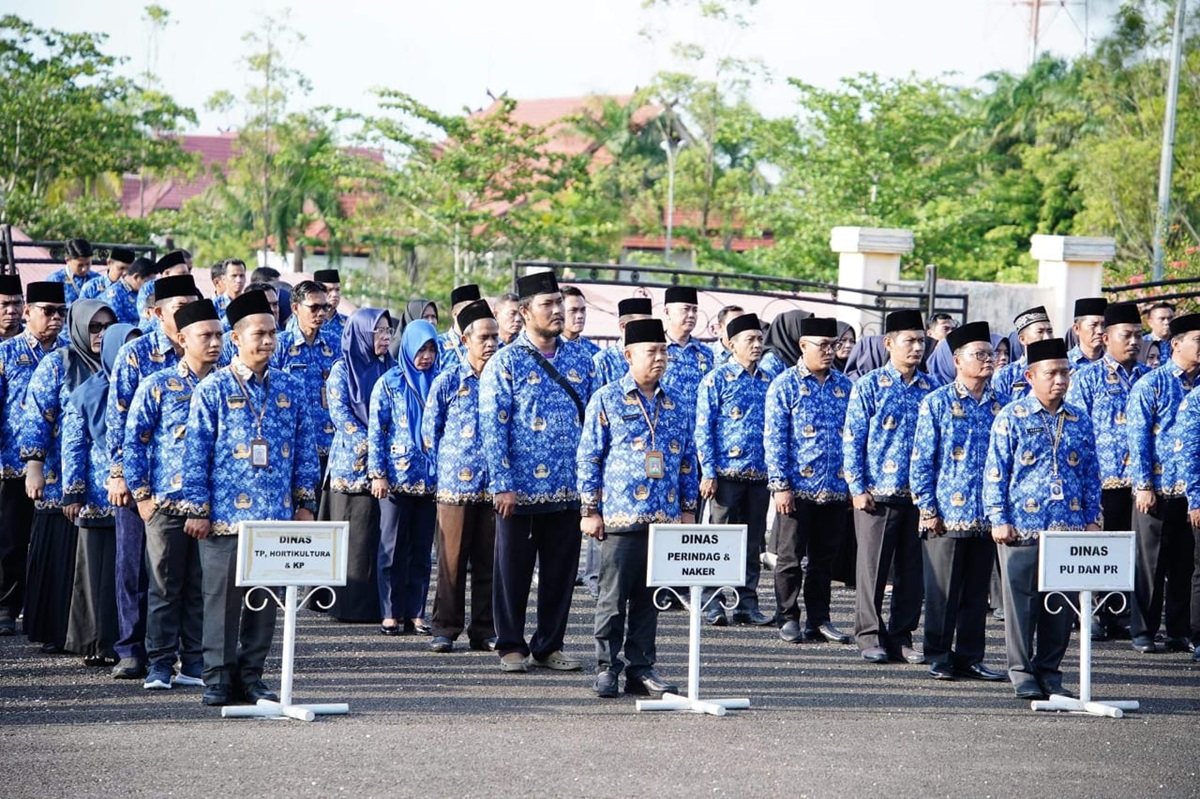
{"x": 100, "y": 661}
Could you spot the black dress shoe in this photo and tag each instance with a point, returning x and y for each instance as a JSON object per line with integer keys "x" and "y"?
{"x": 832, "y": 634}
{"x": 441, "y": 643}
{"x": 752, "y": 616}
{"x": 1145, "y": 644}
{"x": 606, "y": 684}
{"x": 1030, "y": 690}
{"x": 217, "y": 695}
{"x": 483, "y": 644}
{"x": 941, "y": 671}
{"x": 50, "y": 648}
{"x": 390, "y": 629}
{"x": 1052, "y": 688}
{"x": 1178, "y": 643}
{"x": 875, "y": 654}
{"x": 790, "y": 632}
{"x": 978, "y": 671}
{"x": 715, "y": 616}
{"x": 258, "y": 690}
{"x": 420, "y": 627}
{"x": 648, "y": 684}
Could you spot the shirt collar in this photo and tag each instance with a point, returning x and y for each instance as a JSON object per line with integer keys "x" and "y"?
{"x": 963, "y": 392}
{"x": 244, "y": 372}
{"x": 628, "y": 386}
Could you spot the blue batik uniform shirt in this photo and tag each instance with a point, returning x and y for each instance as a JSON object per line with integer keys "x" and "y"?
{"x": 1077, "y": 360}
{"x": 95, "y": 288}
{"x": 1153, "y": 416}
{"x": 1010, "y": 380}
{"x": 392, "y": 454}
{"x": 155, "y": 430}
{"x": 219, "y": 481}
{"x": 19, "y": 358}
{"x": 136, "y": 361}
{"x": 610, "y": 364}
{"x": 40, "y": 435}
{"x": 950, "y": 449}
{"x": 1101, "y": 390}
{"x": 72, "y": 285}
{"x": 730, "y": 409}
{"x": 348, "y": 451}
{"x": 531, "y": 427}
{"x": 85, "y": 471}
{"x": 803, "y": 435}
{"x": 451, "y": 435}
{"x": 123, "y": 301}
{"x": 592, "y": 347}
{"x": 1021, "y": 465}
{"x": 451, "y": 353}
{"x": 611, "y": 457}
{"x": 310, "y": 363}
{"x": 880, "y": 421}
{"x": 687, "y": 364}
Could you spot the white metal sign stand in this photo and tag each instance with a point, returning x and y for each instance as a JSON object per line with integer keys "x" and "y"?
{"x": 1070, "y": 562}
{"x": 290, "y": 554}
{"x": 698, "y": 556}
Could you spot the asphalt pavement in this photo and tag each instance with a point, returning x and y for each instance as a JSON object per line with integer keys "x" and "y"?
{"x": 821, "y": 723}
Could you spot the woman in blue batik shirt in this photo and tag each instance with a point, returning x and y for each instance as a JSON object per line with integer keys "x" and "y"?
{"x": 365, "y": 359}
{"x": 402, "y": 478}
{"x": 50, "y": 568}
{"x": 92, "y": 629}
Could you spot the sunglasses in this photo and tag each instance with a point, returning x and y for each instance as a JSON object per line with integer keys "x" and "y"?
{"x": 53, "y": 310}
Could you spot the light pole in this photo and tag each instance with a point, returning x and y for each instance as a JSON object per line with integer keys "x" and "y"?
{"x": 672, "y": 149}
{"x": 1162, "y": 224}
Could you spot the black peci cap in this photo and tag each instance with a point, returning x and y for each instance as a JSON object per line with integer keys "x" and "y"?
{"x": 175, "y": 286}
{"x": 467, "y": 293}
{"x": 248, "y": 304}
{"x": 1122, "y": 313}
{"x": 1030, "y": 316}
{"x": 193, "y": 312}
{"x": 685, "y": 294}
{"x": 1051, "y": 349}
{"x": 967, "y": 334}
{"x": 47, "y": 291}
{"x": 327, "y": 276}
{"x": 903, "y": 320}
{"x": 121, "y": 255}
{"x": 537, "y": 283}
{"x": 1090, "y": 306}
{"x": 818, "y": 327}
{"x": 10, "y": 285}
{"x": 635, "y": 305}
{"x": 645, "y": 331}
{"x": 1185, "y": 324}
{"x": 739, "y": 324}
{"x": 479, "y": 309}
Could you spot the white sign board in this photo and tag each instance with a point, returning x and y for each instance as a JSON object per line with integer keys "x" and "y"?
{"x": 1078, "y": 561}
{"x": 292, "y": 553}
{"x": 711, "y": 555}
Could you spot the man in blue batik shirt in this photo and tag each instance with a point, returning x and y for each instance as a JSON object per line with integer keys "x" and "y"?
{"x": 637, "y": 467}
{"x": 610, "y": 362}
{"x": 451, "y": 352}
{"x": 77, "y": 274}
{"x": 720, "y": 348}
{"x": 689, "y": 360}
{"x": 249, "y": 456}
{"x": 877, "y": 446}
{"x": 946, "y": 475}
{"x": 45, "y": 312}
{"x": 1158, "y": 319}
{"x": 729, "y": 445}
{"x": 122, "y": 295}
{"x": 137, "y": 360}
{"x": 805, "y": 414}
{"x": 336, "y": 321}
{"x": 532, "y": 396}
{"x": 1158, "y": 434}
{"x": 1041, "y": 474}
{"x": 308, "y": 353}
{"x": 119, "y": 259}
{"x": 466, "y": 521}
{"x": 155, "y": 434}
{"x": 1101, "y": 390}
{"x": 1088, "y": 328}
{"x": 1031, "y": 325}
{"x": 575, "y": 319}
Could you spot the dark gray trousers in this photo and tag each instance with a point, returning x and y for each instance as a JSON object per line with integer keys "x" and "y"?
{"x": 1035, "y": 638}
{"x": 814, "y": 531}
{"x": 887, "y": 539}
{"x": 739, "y": 502}
{"x": 236, "y": 638}
{"x": 957, "y": 576}
{"x": 1165, "y": 554}
{"x": 174, "y": 597}
{"x": 625, "y": 613}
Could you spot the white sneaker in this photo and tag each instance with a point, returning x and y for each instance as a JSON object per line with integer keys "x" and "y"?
{"x": 514, "y": 661}
{"x": 558, "y": 662}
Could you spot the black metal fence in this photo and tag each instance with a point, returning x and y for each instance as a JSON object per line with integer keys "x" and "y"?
{"x": 1170, "y": 296}
{"x": 11, "y": 255}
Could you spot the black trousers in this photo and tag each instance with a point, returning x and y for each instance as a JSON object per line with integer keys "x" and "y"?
{"x": 466, "y": 535}
{"x": 16, "y": 520}
{"x": 1165, "y": 554}
{"x": 738, "y": 502}
{"x": 236, "y": 638}
{"x": 626, "y": 617}
{"x": 552, "y": 541}
{"x": 174, "y": 597}
{"x": 887, "y": 539}
{"x": 957, "y": 577}
{"x": 813, "y": 531}
{"x": 1117, "y": 504}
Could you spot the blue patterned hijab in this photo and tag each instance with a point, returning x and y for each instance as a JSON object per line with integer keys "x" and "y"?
{"x": 363, "y": 366}
{"x": 416, "y": 335}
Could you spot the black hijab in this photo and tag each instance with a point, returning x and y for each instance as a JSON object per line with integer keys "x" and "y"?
{"x": 783, "y": 336}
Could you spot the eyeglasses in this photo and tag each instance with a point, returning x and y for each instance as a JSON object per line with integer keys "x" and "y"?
{"x": 99, "y": 327}
{"x": 981, "y": 355}
{"x": 822, "y": 346}
{"x": 384, "y": 333}
{"x": 317, "y": 307}
{"x": 53, "y": 310}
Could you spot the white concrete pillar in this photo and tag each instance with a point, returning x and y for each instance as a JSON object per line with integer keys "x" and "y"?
{"x": 867, "y": 256}
{"x": 1073, "y": 267}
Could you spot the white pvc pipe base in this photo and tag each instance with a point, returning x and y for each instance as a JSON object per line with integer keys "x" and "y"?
{"x": 713, "y": 707}
{"x": 266, "y": 709}
{"x": 1066, "y": 704}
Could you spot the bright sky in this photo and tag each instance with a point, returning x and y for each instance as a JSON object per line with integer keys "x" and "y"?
{"x": 447, "y": 53}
